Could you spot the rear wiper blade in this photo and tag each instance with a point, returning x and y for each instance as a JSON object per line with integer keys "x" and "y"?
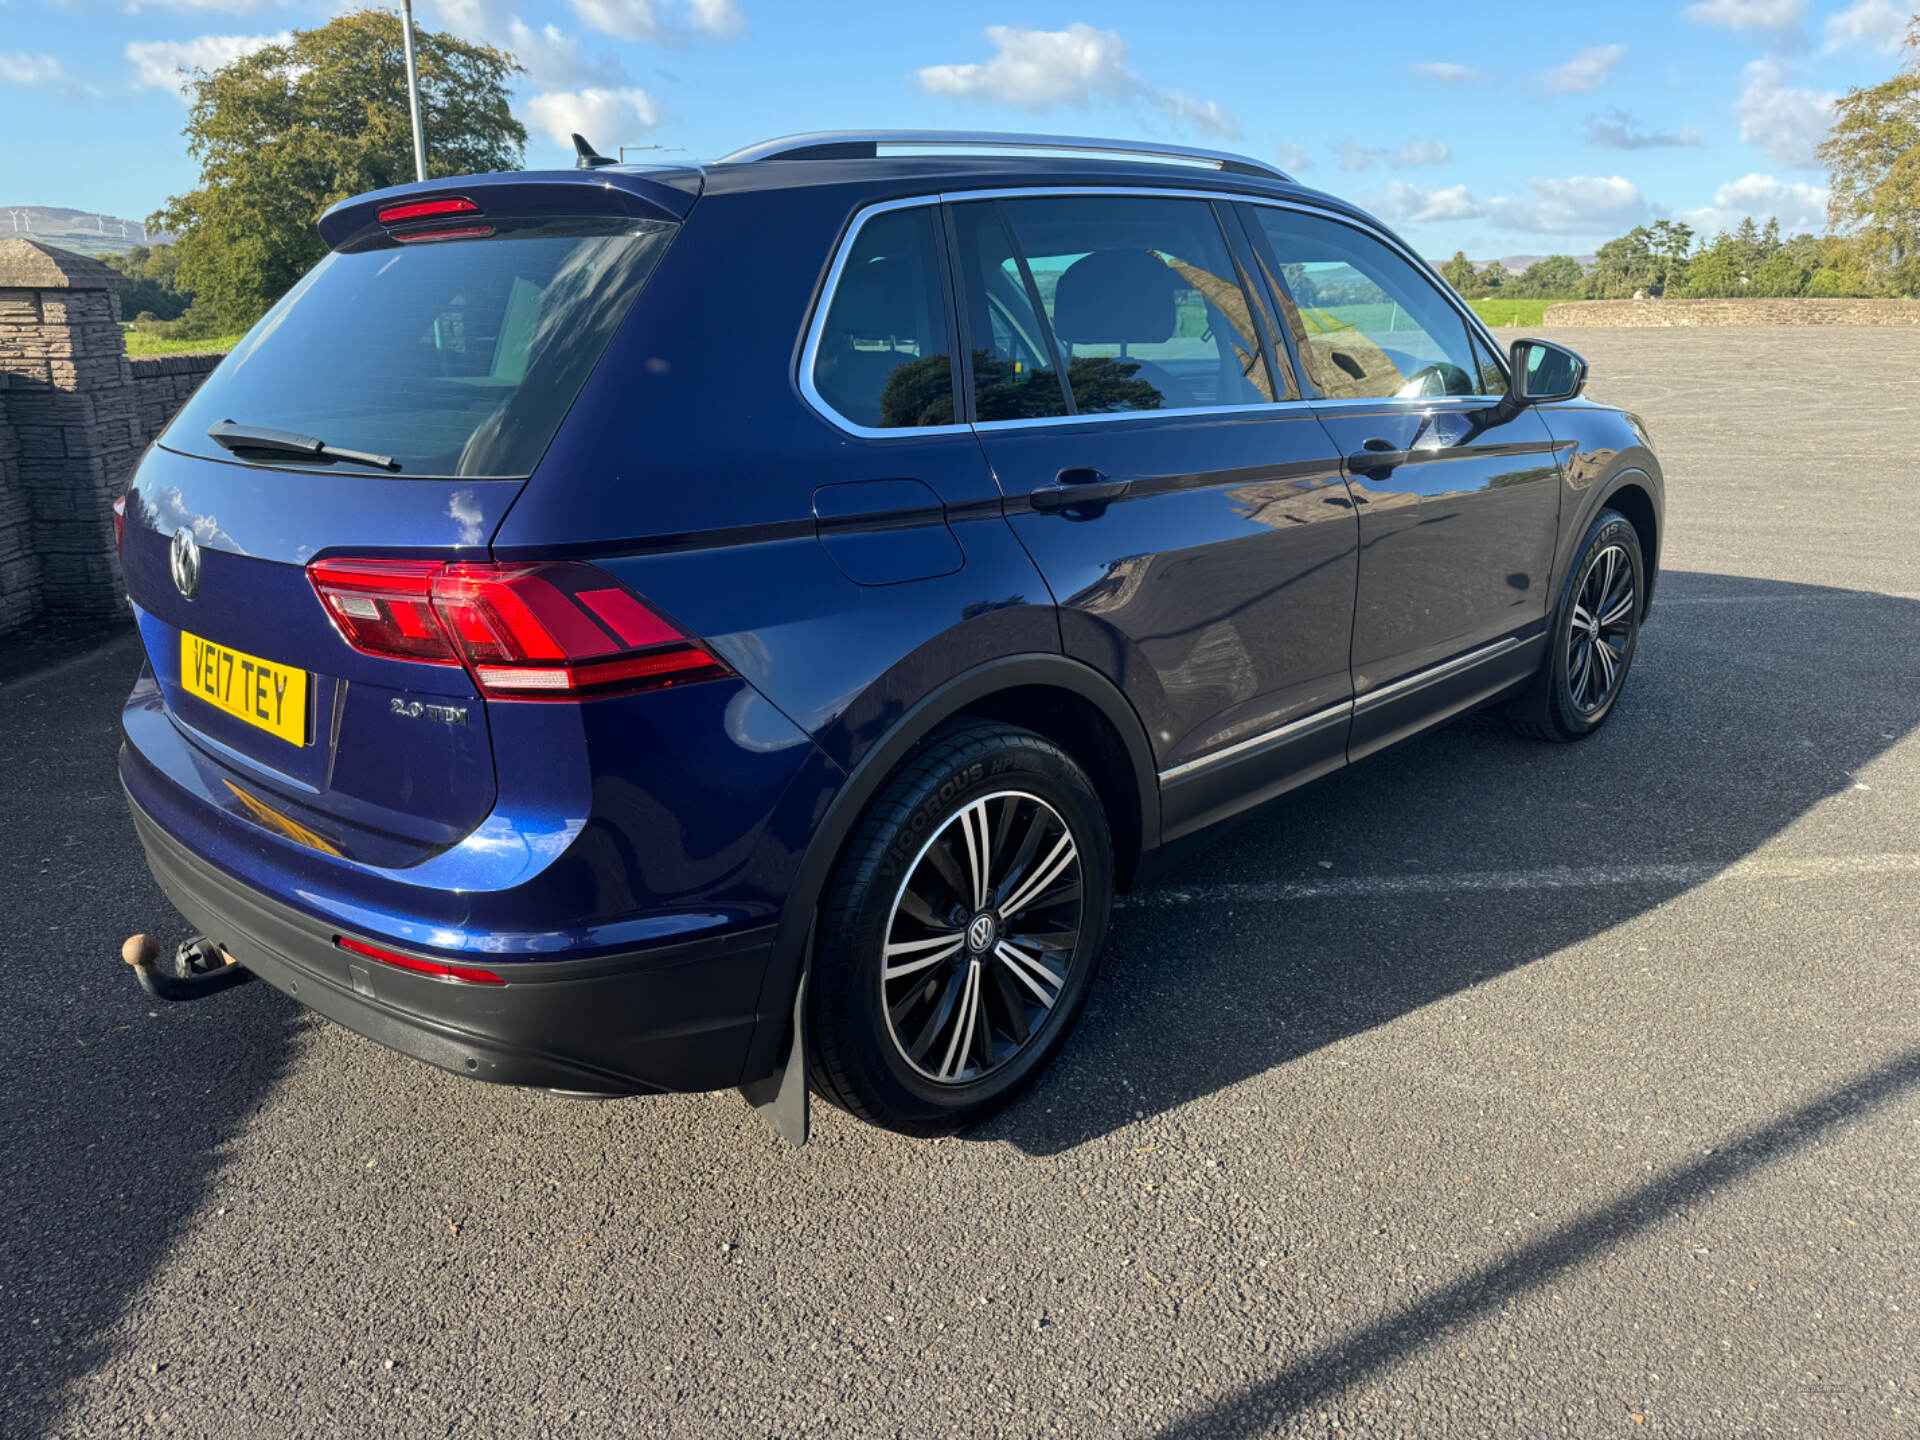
{"x": 290, "y": 442}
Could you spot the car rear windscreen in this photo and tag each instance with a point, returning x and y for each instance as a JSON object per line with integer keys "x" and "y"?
{"x": 453, "y": 357}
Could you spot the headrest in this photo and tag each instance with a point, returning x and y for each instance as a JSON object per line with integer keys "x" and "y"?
{"x": 1114, "y": 297}
{"x": 876, "y": 299}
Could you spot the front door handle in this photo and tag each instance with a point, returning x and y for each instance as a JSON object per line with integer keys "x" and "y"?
{"x": 1077, "y": 485}
{"x": 1376, "y": 457}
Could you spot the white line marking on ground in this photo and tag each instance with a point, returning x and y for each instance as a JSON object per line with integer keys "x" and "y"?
{"x": 1365, "y": 887}
{"x": 1662, "y": 601}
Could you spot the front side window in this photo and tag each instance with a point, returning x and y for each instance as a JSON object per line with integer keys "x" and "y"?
{"x": 1145, "y": 307}
{"x": 1367, "y": 324}
{"x": 884, "y": 358}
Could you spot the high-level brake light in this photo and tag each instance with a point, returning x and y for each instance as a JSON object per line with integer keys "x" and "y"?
{"x": 426, "y": 209}
{"x": 553, "y": 630}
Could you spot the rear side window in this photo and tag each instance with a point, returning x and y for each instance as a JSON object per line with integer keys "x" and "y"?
{"x": 884, "y": 358}
{"x": 1144, "y": 302}
{"x": 1367, "y": 324}
{"x": 455, "y": 358}
{"x": 1013, "y": 372}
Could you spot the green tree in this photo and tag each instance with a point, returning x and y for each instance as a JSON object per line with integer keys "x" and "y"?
{"x": 1779, "y": 275}
{"x": 1716, "y": 272}
{"x": 1624, "y": 267}
{"x": 289, "y": 130}
{"x": 1873, "y": 156}
{"x": 150, "y": 289}
{"x": 1458, "y": 272}
{"x": 1557, "y": 277}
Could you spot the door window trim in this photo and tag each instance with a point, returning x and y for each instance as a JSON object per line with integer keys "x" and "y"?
{"x": 816, "y": 321}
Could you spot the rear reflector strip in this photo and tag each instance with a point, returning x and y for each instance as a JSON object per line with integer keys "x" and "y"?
{"x": 464, "y": 974}
{"x": 424, "y": 209}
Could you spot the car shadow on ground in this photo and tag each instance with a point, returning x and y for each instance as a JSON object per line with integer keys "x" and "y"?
{"x": 1470, "y": 852}
{"x": 1320, "y": 1373}
{"x": 119, "y": 1109}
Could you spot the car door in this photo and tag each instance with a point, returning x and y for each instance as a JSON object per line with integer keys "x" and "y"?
{"x": 1458, "y": 503}
{"x": 1187, "y": 511}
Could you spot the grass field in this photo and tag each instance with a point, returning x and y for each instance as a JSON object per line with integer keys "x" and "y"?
{"x": 1510, "y": 312}
{"x": 139, "y": 343}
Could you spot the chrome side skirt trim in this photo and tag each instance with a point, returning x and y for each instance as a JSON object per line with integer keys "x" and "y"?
{"x": 1333, "y": 714}
{"x": 1292, "y": 730}
{"x": 1433, "y": 674}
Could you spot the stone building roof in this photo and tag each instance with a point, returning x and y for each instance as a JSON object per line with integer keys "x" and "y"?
{"x": 30, "y": 265}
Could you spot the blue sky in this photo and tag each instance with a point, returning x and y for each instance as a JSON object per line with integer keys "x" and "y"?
{"x": 1499, "y": 129}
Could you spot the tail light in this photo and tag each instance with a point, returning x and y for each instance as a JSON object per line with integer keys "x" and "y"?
{"x": 465, "y": 974}
{"x": 555, "y": 630}
{"x": 119, "y": 522}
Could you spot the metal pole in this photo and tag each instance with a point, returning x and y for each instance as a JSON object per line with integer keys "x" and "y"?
{"x": 413, "y": 91}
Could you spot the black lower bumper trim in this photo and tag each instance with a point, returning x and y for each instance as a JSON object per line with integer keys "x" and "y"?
{"x": 667, "y": 1018}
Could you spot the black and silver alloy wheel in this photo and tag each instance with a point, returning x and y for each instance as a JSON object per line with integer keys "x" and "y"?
{"x": 981, "y": 937}
{"x": 959, "y": 936}
{"x": 1596, "y": 629}
{"x": 1601, "y": 629}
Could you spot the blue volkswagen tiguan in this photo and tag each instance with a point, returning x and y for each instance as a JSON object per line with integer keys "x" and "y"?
{"x": 648, "y": 629}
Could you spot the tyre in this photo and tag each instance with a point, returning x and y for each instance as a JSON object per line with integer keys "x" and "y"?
{"x": 1591, "y": 643}
{"x": 959, "y": 937}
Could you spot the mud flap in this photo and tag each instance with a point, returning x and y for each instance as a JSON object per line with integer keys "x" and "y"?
{"x": 781, "y": 1099}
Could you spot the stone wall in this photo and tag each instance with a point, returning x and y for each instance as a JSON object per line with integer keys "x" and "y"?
{"x": 162, "y": 383}
{"x": 1616, "y": 313}
{"x": 75, "y": 413}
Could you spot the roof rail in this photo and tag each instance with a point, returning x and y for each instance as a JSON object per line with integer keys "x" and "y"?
{"x": 868, "y": 145}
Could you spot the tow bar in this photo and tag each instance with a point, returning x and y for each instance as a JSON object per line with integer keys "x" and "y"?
{"x": 204, "y": 968}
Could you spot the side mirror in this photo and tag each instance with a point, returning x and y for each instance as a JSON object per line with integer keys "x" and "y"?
{"x": 1544, "y": 371}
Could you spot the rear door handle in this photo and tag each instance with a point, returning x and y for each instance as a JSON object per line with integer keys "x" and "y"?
{"x": 1077, "y": 485}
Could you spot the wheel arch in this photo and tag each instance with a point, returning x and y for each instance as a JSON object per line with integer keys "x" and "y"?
{"x": 1070, "y": 703}
{"x": 1631, "y": 494}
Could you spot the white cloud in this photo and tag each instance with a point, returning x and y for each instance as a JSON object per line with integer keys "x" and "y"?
{"x": 19, "y": 68}
{"x": 719, "y": 18}
{"x": 1786, "y": 120}
{"x": 1079, "y": 66}
{"x": 623, "y": 19}
{"x": 1796, "y": 205}
{"x": 1422, "y": 152}
{"x": 646, "y": 20}
{"x": 170, "y": 64}
{"x": 1293, "y": 158}
{"x": 1406, "y": 204}
{"x": 1870, "y": 22}
{"x": 1206, "y": 116}
{"x": 553, "y": 58}
{"x": 1617, "y": 129}
{"x": 1350, "y": 155}
{"x": 1588, "y": 70}
{"x": 1447, "y": 73}
{"x": 230, "y": 7}
{"x": 1578, "y": 205}
{"x": 608, "y": 118}
{"x": 1749, "y": 14}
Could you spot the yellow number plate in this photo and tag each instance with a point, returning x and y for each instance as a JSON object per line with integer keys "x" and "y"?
{"x": 260, "y": 692}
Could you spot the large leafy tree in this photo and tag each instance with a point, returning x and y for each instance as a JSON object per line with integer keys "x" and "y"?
{"x": 285, "y": 132}
{"x": 1873, "y": 152}
{"x": 1458, "y": 272}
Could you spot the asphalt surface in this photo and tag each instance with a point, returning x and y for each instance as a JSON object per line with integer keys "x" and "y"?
{"x": 1487, "y": 1089}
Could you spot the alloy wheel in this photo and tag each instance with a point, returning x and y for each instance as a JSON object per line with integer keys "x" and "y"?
{"x": 1600, "y": 630}
{"x": 982, "y": 937}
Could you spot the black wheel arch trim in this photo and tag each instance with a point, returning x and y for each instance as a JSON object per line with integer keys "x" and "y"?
{"x": 1639, "y": 478}
{"x": 873, "y": 770}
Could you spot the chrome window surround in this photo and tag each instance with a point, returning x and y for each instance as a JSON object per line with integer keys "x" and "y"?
{"x": 1359, "y": 705}
{"x": 817, "y": 321}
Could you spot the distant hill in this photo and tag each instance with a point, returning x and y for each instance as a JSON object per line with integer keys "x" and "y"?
{"x": 81, "y": 231}
{"x": 1515, "y": 264}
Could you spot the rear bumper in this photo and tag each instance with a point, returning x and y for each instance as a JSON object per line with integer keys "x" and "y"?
{"x": 667, "y": 1018}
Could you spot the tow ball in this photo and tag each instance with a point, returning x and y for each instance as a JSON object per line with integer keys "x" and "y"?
{"x": 203, "y": 968}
